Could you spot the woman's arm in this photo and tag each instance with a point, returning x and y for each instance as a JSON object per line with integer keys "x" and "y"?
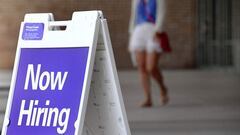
{"x": 161, "y": 11}
{"x": 132, "y": 16}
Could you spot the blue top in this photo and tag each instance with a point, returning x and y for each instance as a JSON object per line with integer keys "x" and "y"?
{"x": 146, "y": 11}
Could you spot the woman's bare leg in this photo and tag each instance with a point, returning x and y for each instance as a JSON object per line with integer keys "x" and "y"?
{"x": 154, "y": 70}
{"x": 144, "y": 75}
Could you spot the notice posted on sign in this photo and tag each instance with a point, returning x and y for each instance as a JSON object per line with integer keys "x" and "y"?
{"x": 44, "y": 98}
{"x": 33, "y": 31}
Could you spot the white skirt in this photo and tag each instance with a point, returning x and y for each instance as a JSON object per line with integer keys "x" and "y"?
{"x": 142, "y": 39}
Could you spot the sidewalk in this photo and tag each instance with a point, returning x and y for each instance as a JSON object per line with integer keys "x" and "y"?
{"x": 202, "y": 103}
{"x": 5, "y": 78}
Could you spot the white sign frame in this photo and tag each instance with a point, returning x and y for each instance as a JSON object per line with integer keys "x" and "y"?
{"x": 82, "y": 31}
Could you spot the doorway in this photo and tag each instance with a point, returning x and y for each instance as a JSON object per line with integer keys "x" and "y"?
{"x": 214, "y": 47}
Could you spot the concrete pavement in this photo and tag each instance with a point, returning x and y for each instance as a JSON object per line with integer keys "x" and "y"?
{"x": 202, "y": 103}
{"x": 5, "y": 78}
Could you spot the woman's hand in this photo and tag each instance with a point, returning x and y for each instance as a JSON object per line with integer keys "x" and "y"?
{"x": 157, "y": 36}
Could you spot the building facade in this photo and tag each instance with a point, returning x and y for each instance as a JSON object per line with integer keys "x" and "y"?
{"x": 187, "y": 22}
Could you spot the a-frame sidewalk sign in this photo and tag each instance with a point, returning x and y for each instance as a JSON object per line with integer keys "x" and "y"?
{"x": 64, "y": 79}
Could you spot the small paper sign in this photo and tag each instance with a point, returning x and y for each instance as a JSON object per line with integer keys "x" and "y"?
{"x": 33, "y": 31}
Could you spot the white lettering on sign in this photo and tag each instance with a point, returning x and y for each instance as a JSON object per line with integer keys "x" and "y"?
{"x": 37, "y": 78}
{"x": 47, "y": 116}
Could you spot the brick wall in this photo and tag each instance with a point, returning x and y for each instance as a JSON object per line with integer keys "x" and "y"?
{"x": 180, "y": 24}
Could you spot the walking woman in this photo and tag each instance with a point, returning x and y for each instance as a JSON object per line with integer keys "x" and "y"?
{"x": 146, "y": 23}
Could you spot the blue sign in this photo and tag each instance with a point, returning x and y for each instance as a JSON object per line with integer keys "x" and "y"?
{"x": 48, "y": 91}
{"x": 33, "y": 31}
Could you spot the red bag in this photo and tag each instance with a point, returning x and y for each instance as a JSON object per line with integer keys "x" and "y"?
{"x": 164, "y": 42}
